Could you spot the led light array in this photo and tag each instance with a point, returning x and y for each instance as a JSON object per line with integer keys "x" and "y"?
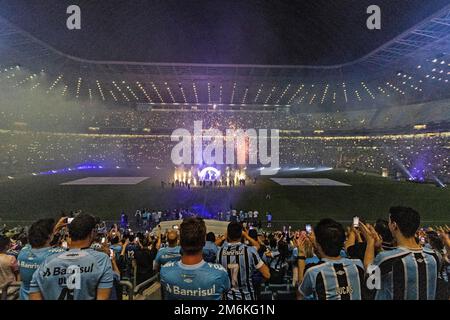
{"x": 270, "y": 95}
{"x": 245, "y": 96}
{"x": 194, "y": 87}
{"x": 120, "y": 90}
{"x": 324, "y": 93}
{"x": 182, "y": 93}
{"x": 283, "y": 93}
{"x": 100, "y": 90}
{"x": 12, "y": 75}
{"x": 31, "y": 77}
{"x": 144, "y": 91}
{"x": 438, "y": 75}
{"x": 132, "y": 93}
{"x": 157, "y": 92}
{"x": 35, "y": 86}
{"x": 113, "y": 95}
{"x": 232, "y": 93}
{"x": 300, "y": 88}
{"x": 383, "y": 91}
{"x": 80, "y": 80}
{"x": 405, "y": 77}
{"x": 170, "y": 92}
{"x": 344, "y": 86}
{"x": 395, "y": 88}
{"x": 63, "y": 93}
{"x": 312, "y": 99}
{"x": 209, "y": 92}
{"x": 303, "y": 97}
{"x": 368, "y": 90}
{"x": 55, "y": 83}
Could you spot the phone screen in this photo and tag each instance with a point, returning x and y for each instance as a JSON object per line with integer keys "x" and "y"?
{"x": 111, "y": 253}
{"x": 355, "y": 222}
{"x": 69, "y": 220}
{"x": 308, "y": 228}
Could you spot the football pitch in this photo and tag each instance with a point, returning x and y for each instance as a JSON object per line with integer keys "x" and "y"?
{"x": 27, "y": 199}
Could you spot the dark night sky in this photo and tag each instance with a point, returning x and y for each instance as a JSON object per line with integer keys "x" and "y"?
{"x": 228, "y": 31}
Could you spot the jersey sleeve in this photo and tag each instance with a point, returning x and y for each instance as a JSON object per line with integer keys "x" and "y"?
{"x": 307, "y": 286}
{"x": 107, "y": 276}
{"x": 224, "y": 280}
{"x": 382, "y": 262}
{"x": 219, "y": 255}
{"x": 36, "y": 280}
{"x": 157, "y": 260}
{"x": 380, "y": 258}
{"x": 257, "y": 261}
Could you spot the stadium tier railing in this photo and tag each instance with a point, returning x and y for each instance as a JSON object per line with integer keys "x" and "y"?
{"x": 140, "y": 288}
{"x": 129, "y": 287}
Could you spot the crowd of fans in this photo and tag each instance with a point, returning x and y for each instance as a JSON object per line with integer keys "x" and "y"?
{"x": 148, "y": 219}
{"x": 81, "y": 258}
{"x": 37, "y": 138}
{"x": 425, "y": 156}
{"x": 83, "y": 117}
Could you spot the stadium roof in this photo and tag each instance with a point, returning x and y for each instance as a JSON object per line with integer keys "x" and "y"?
{"x": 282, "y": 32}
{"x": 412, "y": 67}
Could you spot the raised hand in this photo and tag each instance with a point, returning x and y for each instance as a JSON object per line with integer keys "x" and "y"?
{"x": 376, "y": 236}
{"x": 367, "y": 233}
{"x": 300, "y": 244}
{"x": 62, "y": 222}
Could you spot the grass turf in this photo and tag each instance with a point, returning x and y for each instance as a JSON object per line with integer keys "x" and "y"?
{"x": 27, "y": 199}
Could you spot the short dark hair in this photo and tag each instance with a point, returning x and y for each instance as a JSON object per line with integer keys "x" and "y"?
{"x": 330, "y": 234}
{"x": 210, "y": 236}
{"x": 4, "y": 242}
{"x": 234, "y": 231}
{"x": 40, "y": 232}
{"x": 252, "y": 233}
{"x": 407, "y": 220}
{"x": 382, "y": 228}
{"x": 192, "y": 235}
{"x": 172, "y": 237}
{"x": 81, "y": 227}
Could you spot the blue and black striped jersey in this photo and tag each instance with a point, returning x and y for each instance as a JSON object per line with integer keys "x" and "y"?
{"x": 240, "y": 261}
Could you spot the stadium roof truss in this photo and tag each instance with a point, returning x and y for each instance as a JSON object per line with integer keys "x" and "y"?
{"x": 413, "y": 67}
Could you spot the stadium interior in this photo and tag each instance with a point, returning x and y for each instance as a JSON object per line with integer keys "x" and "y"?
{"x": 367, "y": 111}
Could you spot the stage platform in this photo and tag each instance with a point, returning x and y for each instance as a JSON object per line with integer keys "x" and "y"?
{"x": 308, "y": 182}
{"x": 218, "y": 227}
{"x": 111, "y": 181}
